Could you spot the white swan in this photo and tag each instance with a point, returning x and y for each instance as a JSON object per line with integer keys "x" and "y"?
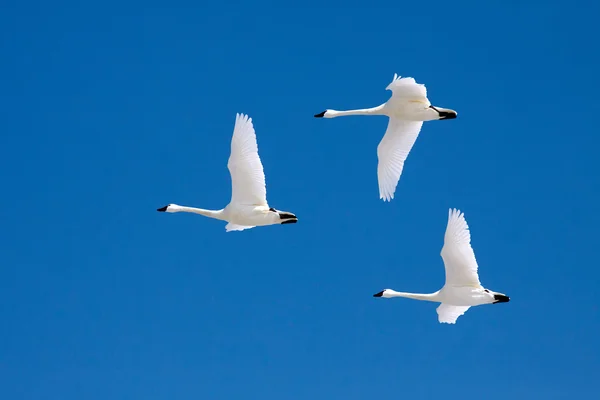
{"x": 462, "y": 289}
{"x": 407, "y": 109}
{"x": 248, "y": 206}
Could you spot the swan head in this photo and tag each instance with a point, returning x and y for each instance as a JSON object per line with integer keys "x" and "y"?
{"x": 385, "y": 293}
{"x": 495, "y": 297}
{"x": 444, "y": 113}
{"x": 171, "y": 208}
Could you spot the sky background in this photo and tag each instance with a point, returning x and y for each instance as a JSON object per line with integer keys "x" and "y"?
{"x": 112, "y": 109}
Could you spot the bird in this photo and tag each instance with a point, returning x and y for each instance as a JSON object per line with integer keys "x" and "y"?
{"x": 407, "y": 108}
{"x": 462, "y": 289}
{"x": 248, "y": 207}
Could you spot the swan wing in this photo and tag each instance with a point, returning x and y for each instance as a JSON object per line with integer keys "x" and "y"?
{"x": 448, "y": 314}
{"x": 408, "y": 88}
{"x": 247, "y": 174}
{"x": 233, "y": 227}
{"x": 392, "y": 151}
{"x": 457, "y": 253}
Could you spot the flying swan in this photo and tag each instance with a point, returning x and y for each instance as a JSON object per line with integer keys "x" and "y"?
{"x": 407, "y": 109}
{"x": 462, "y": 289}
{"x": 248, "y": 206}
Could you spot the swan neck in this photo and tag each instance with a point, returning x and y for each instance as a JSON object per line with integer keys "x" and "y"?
{"x": 217, "y": 214}
{"x": 363, "y": 111}
{"x": 416, "y": 296}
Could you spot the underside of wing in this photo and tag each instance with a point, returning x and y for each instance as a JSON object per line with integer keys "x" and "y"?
{"x": 392, "y": 152}
{"x": 407, "y": 88}
{"x": 457, "y": 253}
{"x": 233, "y": 227}
{"x": 247, "y": 175}
{"x": 448, "y": 314}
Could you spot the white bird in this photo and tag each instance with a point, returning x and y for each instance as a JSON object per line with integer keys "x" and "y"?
{"x": 462, "y": 289}
{"x": 248, "y": 206}
{"x": 407, "y": 109}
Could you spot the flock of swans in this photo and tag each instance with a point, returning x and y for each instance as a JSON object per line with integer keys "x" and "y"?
{"x": 407, "y": 109}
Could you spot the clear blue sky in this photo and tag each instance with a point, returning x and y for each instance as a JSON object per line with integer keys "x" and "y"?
{"x": 111, "y": 110}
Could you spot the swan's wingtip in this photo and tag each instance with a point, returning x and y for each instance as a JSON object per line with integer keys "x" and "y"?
{"x": 321, "y": 114}
{"x": 455, "y": 211}
{"x": 386, "y": 197}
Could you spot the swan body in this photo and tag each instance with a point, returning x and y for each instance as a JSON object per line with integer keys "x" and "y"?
{"x": 462, "y": 289}
{"x": 248, "y": 207}
{"x": 407, "y": 109}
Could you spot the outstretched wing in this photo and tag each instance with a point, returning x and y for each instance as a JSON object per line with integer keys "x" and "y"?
{"x": 392, "y": 151}
{"x": 457, "y": 253}
{"x": 408, "y": 88}
{"x": 247, "y": 175}
{"x": 449, "y": 314}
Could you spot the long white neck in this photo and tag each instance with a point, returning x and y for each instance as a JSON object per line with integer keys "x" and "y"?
{"x": 416, "y": 296}
{"x": 217, "y": 214}
{"x": 363, "y": 111}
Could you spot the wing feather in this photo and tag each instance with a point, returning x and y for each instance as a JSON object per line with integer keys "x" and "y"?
{"x": 407, "y": 88}
{"x": 392, "y": 152}
{"x": 234, "y": 227}
{"x": 247, "y": 175}
{"x": 457, "y": 253}
{"x": 448, "y": 314}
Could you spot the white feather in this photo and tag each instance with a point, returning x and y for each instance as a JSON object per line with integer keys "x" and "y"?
{"x": 392, "y": 152}
{"x": 457, "y": 253}
{"x": 247, "y": 175}
{"x": 449, "y": 314}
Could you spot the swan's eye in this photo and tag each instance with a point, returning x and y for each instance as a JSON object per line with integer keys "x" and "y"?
{"x": 485, "y": 290}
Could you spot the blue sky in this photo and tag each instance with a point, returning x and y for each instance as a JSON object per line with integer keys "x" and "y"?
{"x": 114, "y": 109}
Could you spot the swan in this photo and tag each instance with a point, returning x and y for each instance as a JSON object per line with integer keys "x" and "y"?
{"x": 407, "y": 108}
{"x": 248, "y": 207}
{"x": 462, "y": 289}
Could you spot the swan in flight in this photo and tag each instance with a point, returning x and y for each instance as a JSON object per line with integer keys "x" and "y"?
{"x": 462, "y": 289}
{"x": 407, "y": 109}
{"x": 248, "y": 206}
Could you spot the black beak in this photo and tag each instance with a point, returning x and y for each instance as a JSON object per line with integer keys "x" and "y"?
{"x": 320, "y": 115}
{"x": 447, "y": 115}
{"x": 284, "y": 215}
{"x": 380, "y": 294}
{"x": 287, "y": 218}
{"x": 162, "y": 209}
{"x": 500, "y": 298}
